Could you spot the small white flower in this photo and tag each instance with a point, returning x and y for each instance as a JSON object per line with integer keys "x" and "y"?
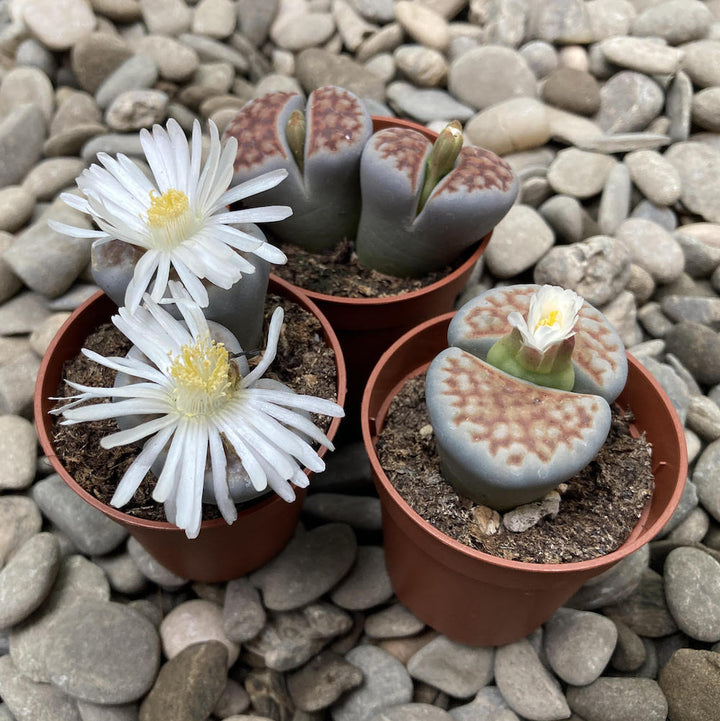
{"x": 199, "y": 399}
{"x": 180, "y": 220}
{"x": 551, "y": 318}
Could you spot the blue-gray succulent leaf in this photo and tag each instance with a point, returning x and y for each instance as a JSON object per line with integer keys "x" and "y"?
{"x": 598, "y": 357}
{"x": 392, "y": 171}
{"x": 324, "y": 196}
{"x": 463, "y": 207}
{"x": 503, "y": 441}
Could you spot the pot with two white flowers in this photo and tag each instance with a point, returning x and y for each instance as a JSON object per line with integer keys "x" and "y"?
{"x": 522, "y": 416}
{"x": 198, "y": 407}
{"x": 398, "y": 212}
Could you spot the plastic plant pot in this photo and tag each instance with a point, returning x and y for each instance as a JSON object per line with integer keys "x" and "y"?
{"x": 473, "y": 597}
{"x": 220, "y": 552}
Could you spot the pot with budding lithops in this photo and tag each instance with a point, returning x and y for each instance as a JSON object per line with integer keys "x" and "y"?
{"x": 411, "y": 201}
{"x": 504, "y": 441}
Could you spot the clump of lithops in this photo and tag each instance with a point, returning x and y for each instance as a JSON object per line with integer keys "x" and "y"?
{"x": 519, "y": 402}
{"x": 412, "y": 206}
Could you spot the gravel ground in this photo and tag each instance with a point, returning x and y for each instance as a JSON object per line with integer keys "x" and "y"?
{"x": 609, "y": 113}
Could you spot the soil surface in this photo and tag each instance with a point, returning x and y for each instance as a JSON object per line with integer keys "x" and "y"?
{"x": 337, "y": 272}
{"x": 304, "y": 362}
{"x": 597, "y": 513}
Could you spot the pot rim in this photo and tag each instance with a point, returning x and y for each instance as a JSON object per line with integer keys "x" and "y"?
{"x": 466, "y": 265}
{"x": 41, "y": 406}
{"x": 639, "y": 536}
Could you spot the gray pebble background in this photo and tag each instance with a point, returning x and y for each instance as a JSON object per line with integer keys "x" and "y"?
{"x": 609, "y": 113}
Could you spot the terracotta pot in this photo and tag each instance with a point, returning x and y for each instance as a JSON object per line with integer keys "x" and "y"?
{"x": 474, "y": 597}
{"x": 367, "y": 326}
{"x": 220, "y": 552}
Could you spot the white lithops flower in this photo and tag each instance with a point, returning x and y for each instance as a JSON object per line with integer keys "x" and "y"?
{"x": 181, "y": 219}
{"x": 198, "y": 401}
{"x": 551, "y": 318}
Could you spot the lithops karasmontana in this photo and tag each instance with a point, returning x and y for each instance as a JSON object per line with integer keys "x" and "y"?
{"x": 502, "y": 441}
{"x": 319, "y": 148}
{"x": 598, "y": 357}
{"x": 406, "y": 231}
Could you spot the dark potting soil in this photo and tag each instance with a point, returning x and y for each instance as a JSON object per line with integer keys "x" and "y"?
{"x": 597, "y": 513}
{"x": 337, "y": 272}
{"x": 304, "y": 362}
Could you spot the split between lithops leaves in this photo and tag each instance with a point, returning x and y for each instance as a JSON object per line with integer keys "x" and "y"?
{"x": 509, "y": 429}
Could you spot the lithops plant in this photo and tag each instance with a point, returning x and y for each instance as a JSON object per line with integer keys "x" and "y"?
{"x": 424, "y": 203}
{"x": 319, "y": 148}
{"x": 175, "y": 225}
{"x": 505, "y": 440}
{"x": 598, "y": 355}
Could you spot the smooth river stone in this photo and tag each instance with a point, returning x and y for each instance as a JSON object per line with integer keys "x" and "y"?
{"x": 645, "y": 56}
{"x": 652, "y": 248}
{"x": 309, "y": 566}
{"x": 691, "y": 683}
{"x": 619, "y": 699}
{"x": 527, "y": 686}
{"x": 698, "y": 165}
{"x": 655, "y": 177}
{"x": 101, "y": 652}
{"x": 579, "y": 173}
{"x": 629, "y": 101}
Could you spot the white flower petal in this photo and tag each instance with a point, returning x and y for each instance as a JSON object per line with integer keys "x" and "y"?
{"x": 252, "y": 187}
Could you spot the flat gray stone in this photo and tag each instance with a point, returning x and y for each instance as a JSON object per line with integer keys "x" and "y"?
{"x": 573, "y": 90}
{"x": 322, "y": 681}
{"x": 18, "y": 453}
{"x": 51, "y": 176}
{"x": 488, "y": 75}
{"x": 674, "y": 386}
{"x": 645, "y": 56}
{"x": 654, "y": 176}
{"x": 89, "y": 529}
{"x": 578, "y": 644}
{"x": 679, "y": 104}
{"x": 189, "y": 685}
{"x": 22, "y": 133}
{"x": 413, "y": 712}
{"x": 243, "y": 613}
{"x": 309, "y": 566}
{"x": 367, "y": 585}
{"x": 175, "y": 61}
{"x": 153, "y": 570}
{"x": 676, "y": 21}
{"x": 16, "y": 207}
{"x": 124, "y": 576}
{"x": 628, "y": 102}
{"x": 629, "y": 654}
{"x": 645, "y": 611}
{"x": 526, "y": 685}
{"x": 620, "y": 699}
{"x": 456, "y": 669}
{"x": 31, "y": 701}
{"x": 697, "y": 348}
{"x": 652, "y": 248}
{"x": 579, "y": 173}
{"x": 136, "y": 73}
{"x": 692, "y": 587}
{"x": 613, "y": 585}
{"x": 20, "y": 520}
{"x": 360, "y": 512}
{"x": 426, "y": 104}
{"x": 520, "y": 239}
{"x": 386, "y": 684}
{"x": 58, "y": 25}
{"x": 698, "y": 166}
{"x": 102, "y": 652}
{"x": 615, "y": 200}
{"x": 27, "y": 578}
{"x": 393, "y": 622}
{"x": 96, "y": 712}
{"x": 78, "y": 580}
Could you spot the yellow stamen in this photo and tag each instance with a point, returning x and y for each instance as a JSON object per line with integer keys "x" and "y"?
{"x": 166, "y": 208}
{"x": 205, "y": 378}
{"x": 550, "y": 319}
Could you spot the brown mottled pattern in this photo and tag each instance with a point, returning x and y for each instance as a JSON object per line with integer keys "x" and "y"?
{"x": 477, "y": 169}
{"x": 501, "y": 413}
{"x": 336, "y": 121}
{"x": 255, "y": 129}
{"x": 407, "y": 148}
{"x": 595, "y": 350}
